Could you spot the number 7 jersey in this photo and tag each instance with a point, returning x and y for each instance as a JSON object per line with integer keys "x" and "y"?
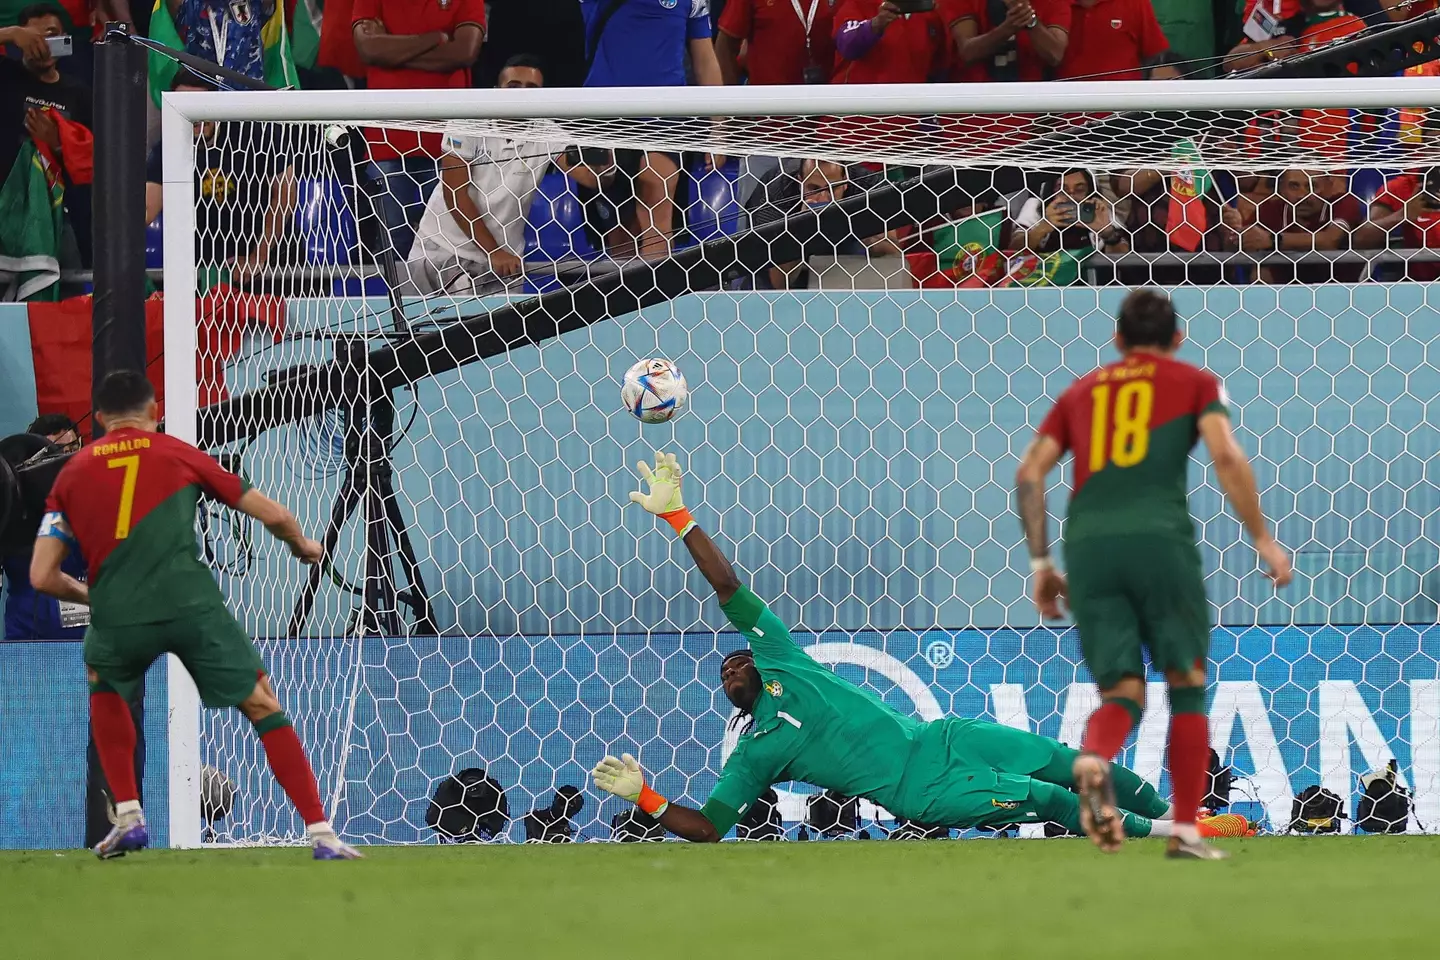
{"x": 129, "y": 500}
{"x": 1131, "y": 426}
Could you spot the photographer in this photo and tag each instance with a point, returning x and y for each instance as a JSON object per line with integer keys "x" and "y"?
{"x": 897, "y": 41}
{"x": 1411, "y": 202}
{"x": 1071, "y": 215}
{"x": 31, "y": 615}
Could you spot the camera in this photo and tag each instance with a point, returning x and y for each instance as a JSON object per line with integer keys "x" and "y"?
{"x": 29, "y": 465}
{"x": 914, "y": 6}
{"x": 1087, "y": 211}
{"x": 61, "y": 46}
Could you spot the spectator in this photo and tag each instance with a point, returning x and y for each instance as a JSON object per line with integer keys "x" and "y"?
{"x": 1319, "y": 22}
{"x": 552, "y": 31}
{"x": 634, "y": 44}
{"x": 785, "y": 41}
{"x": 1176, "y": 213}
{"x": 877, "y": 43}
{"x": 1112, "y": 40}
{"x": 815, "y": 184}
{"x": 473, "y": 232}
{"x": 1310, "y": 211}
{"x": 1410, "y": 204}
{"x": 245, "y": 193}
{"x": 248, "y": 37}
{"x": 32, "y": 85}
{"x": 1028, "y": 44}
{"x": 1070, "y": 214}
{"x": 408, "y": 46}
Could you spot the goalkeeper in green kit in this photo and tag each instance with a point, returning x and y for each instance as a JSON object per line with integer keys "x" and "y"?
{"x": 810, "y": 725}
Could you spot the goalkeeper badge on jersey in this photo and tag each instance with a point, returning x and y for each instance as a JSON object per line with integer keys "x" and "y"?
{"x": 774, "y": 688}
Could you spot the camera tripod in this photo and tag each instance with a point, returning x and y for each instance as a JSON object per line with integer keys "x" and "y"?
{"x": 368, "y": 484}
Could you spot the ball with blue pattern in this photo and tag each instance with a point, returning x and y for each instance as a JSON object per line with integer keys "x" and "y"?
{"x": 654, "y": 390}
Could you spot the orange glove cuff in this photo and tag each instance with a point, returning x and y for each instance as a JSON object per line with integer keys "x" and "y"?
{"x": 680, "y": 520}
{"x": 651, "y": 802}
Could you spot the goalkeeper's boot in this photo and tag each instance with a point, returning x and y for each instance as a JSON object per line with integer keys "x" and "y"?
{"x": 126, "y": 836}
{"x": 1182, "y": 848}
{"x": 328, "y": 846}
{"x": 1099, "y": 814}
{"x": 1224, "y": 825}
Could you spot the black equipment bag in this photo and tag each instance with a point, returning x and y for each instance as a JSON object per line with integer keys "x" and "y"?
{"x": 1316, "y": 810}
{"x": 1385, "y": 806}
{"x": 468, "y": 807}
{"x": 1218, "y": 781}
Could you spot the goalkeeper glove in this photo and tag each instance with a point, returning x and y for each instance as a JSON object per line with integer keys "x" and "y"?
{"x": 663, "y": 498}
{"x": 625, "y": 779}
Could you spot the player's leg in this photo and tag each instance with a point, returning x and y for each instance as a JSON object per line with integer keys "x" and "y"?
{"x": 1176, "y": 624}
{"x": 291, "y": 768}
{"x": 1133, "y": 793}
{"x": 115, "y": 664}
{"x": 228, "y": 672}
{"x": 1051, "y": 803}
{"x": 1111, "y": 643}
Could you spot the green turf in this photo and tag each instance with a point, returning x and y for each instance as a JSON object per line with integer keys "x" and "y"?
{"x": 1277, "y": 899}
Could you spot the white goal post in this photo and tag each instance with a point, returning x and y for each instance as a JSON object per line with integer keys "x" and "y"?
{"x": 567, "y": 627}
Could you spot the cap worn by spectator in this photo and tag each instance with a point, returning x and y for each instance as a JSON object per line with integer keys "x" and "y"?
{"x": 1112, "y": 40}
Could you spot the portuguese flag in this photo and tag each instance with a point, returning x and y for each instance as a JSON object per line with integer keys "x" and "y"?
{"x": 971, "y": 255}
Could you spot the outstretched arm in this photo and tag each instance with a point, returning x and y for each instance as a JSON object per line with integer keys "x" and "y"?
{"x": 665, "y": 501}
{"x": 1232, "y": 468}
{"x": 624, "y": 778}
{"x": 281, "y": 523}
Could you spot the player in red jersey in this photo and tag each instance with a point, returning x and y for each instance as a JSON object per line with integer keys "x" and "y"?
{"x": 1135, "y": 582}
{"x": 128, "y": 502}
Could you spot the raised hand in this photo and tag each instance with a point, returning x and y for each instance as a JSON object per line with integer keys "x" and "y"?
{"x": 663, "y": 496}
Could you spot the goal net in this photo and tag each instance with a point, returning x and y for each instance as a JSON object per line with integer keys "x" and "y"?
{"x": 411, "y": 311}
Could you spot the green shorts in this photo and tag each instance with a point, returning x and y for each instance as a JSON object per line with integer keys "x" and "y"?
{"x": 216, "y": 652}
{"x": 948, "y": 782}
{"x": 1133, "y": 594}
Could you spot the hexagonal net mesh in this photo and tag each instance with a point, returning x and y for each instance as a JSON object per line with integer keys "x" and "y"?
{"x": 413, "y": 334}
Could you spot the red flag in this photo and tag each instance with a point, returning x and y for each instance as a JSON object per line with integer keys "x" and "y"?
{"x": 1185, "y": 223}
{"x": 60, "y": 346}
{"x": 224, "y": 315}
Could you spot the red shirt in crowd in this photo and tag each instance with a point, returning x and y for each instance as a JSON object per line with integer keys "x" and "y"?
{"x": 1111, "y": 40}
{"x": 1052, "y": 13}
{"x": 1421, "y": 230}
{"x": 775, "y": 30}
{"x": 912, "y": 49}
{"x": 406, "y": 18}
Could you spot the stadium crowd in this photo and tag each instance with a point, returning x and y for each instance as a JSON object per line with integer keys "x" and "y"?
{"x": 460, "y": 213}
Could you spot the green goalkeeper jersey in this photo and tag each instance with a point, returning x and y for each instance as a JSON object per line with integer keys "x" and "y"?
{"x": 809, "y": 725}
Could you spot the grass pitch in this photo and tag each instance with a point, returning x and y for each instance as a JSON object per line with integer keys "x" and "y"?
{"x": 1312, "y": 898}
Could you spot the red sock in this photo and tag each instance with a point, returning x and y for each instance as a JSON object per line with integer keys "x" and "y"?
{"x": 1189, "y": 762}
{"x": 1107, "y": 730}
{"x": 114, "y": 733}
{"x": 292, "y": 770}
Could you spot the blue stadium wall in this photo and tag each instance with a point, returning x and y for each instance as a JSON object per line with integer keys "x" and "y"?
{"x": 515, "y": 477}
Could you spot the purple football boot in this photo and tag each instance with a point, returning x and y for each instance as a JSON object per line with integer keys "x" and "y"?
{"x": 127, "y": 836}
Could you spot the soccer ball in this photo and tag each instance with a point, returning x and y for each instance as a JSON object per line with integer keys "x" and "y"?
{"x": 654, "y": 390}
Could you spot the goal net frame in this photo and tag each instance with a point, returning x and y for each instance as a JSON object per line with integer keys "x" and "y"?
{"x": 718, "y": 105}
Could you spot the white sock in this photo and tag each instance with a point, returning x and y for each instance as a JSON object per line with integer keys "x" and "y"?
{"x": 128, "y": 808}
{"x": 1169, "y": 813}
{"x": 319, "y": 828}
{"x": 1187, "y": 832}
{"x": 1162, "y": 828}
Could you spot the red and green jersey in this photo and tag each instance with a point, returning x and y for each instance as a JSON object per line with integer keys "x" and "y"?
{"x": 129, "y": 500}
{"x": 1131, "y": 426}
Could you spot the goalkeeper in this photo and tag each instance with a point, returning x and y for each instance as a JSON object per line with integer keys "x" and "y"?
{"x": 808, "y": 724}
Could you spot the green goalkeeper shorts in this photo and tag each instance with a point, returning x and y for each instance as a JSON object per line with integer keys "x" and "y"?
{"x": 1136, "y": 594}
{"x": 217, "y": 654}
